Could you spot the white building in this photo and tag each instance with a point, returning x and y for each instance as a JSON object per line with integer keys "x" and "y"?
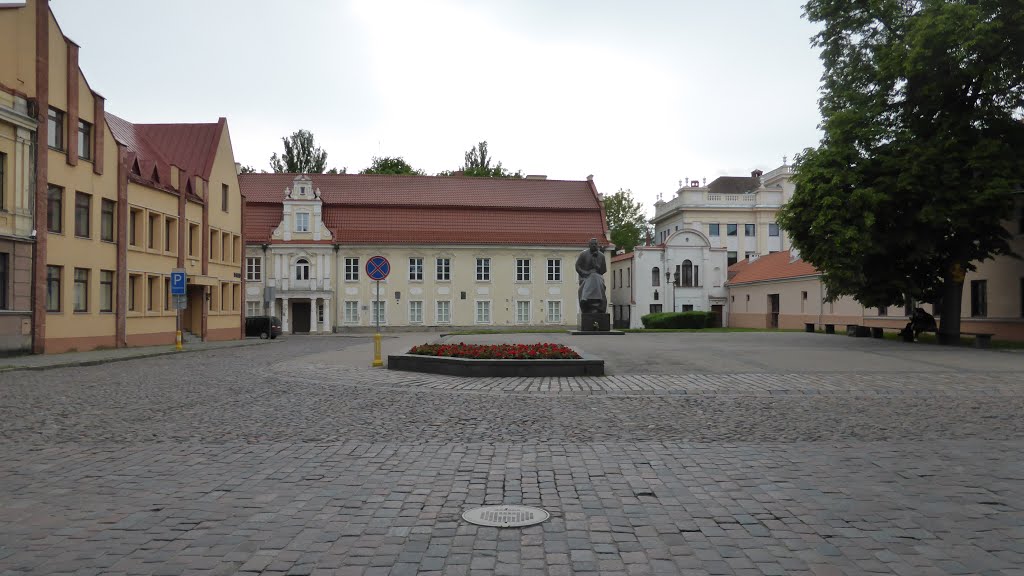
{"x": 686, "y": 272}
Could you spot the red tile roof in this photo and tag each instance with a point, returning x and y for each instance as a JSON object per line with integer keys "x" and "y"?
{"x": 775, "y": 266}
{"x": 621, "y": 257}
{"x": 381, "y": 209}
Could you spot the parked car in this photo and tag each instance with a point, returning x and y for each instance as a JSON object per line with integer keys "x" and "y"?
{"x": 263, "y": 326}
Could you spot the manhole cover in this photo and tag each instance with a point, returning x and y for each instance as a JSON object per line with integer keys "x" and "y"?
{"x": 505, "y": 516}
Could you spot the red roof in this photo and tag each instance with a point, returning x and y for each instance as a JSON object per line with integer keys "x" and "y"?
{"x": 777, "y": 266}
{"x": 383, "y": 209}
{"x": 621, "y": 257}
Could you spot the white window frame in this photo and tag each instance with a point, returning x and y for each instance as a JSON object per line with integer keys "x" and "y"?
{"x": 528, "y": 306}
{"x": 300, "y": 266}
{"x": 483, "y": 269}
{"x": 443, "y": 267}
{"x": 254, "y": 269}
{"x": 554, "y": 269}
{"x": 774, "y": 225}
{"x": 415, "y": 269}
{"x": 320, "y": 313}
{"x": 522, "y": 270}
{"x": 302, "y": 224}
{"x": 476, "y": 312}
{"x": 445, "y": 318}
{"x": 253, "y": 308}
{"x": 351, "y": 308}
{"x": 378, "y": 307}
{"x": 351, "y": 269}
{"x": 415, "y": 316}
{"x": 548, "y": 318}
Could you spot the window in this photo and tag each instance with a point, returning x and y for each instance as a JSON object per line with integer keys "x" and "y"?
{"x": 225, "y": 247}
{"x": 713, "y": 230}
{"x": 81, "y": 303}
{"x": 5, "y": 275}
{"x": 107, "y": 210}
{"x": 749, "y": 230}
{"x": 522, "y": 311}
{"x": 730, "y": 229}
{"x": 193, "y": 238}
{"x": 254, "y": 269}
{"x": 214, "y": 244}
{"x": 134, "y": 223}
{"x": 554, "y": 311}
{"x": 688, "y": 273}
{"x": 133, "y": 287}
{"x": 55, "y": 127}
{"x": 655, "y": 308}
{"x": 106, "y": 291}
{"x": 84, "y": 140}
{"x": 483, "y": 311}
{"x": 655, "y": 296}
{"x": 444, "y": 311}
{"x": 3, "y": 171}
{"x": 320, "y": 313}
{"x": 153, "y": 296}
{"x": 253, "y": 308}
{"x": 730, "y": 258}
{"x": 224, "y": 197}
{"x": 655, "y": 276}
{"x": 554, "y": 270}
{"x": 83, "y": 203}
{"x": 415, "y": 268}
{"x": 351, "y": 269}
{"x": 168, "y": 301}
{"x": 687, "y": 307}
{"x": 351, "y": 311}
{"x": 379, "y": 316}
{"x": 55, "y": 209}
{"x": 302, "y": 222}
{"x": 415, "y": 311}
{"x": 302, "y": 269}
{"x": 53, "y": 274}
{"x": 443, "y": 269}
{"x": 629, "y": 277}
{"x": 773, "y": 229}
{"x": 170, "y": 235}
{"x": 483, "y": 269}
{"x": 979, "y": 298}
{"x": 154, "y": 231}
{"x": 522, "y": 269}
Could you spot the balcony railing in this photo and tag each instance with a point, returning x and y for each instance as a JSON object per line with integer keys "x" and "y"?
{"x": 784, "y": 170}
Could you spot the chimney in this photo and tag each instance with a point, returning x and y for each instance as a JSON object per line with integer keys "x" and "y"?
{"x": 794, "y": 254}
{"x": 238, "y": 168}
{"x": 536, "y": 177}
{"x": 590, "y": 177}
{"x": 694, "y": 183}
{"x": 756, "y": 174}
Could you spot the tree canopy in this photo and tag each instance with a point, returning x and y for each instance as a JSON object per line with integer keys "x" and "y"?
{"x": 390, "y": 165}
{"x": 627, "y": 223}
{"x": 478, "y": 163}
{"x": 302, "y": 156}
{"x": 921, "y": 152}
{"x": 246, "y": 169}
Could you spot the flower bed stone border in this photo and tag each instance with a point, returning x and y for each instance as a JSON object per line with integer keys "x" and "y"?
{"x": 586, "y": 366}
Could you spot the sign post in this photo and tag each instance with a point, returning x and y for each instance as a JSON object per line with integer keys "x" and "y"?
{"x": 178, "y": 283}
{"x": 377, "y": 268}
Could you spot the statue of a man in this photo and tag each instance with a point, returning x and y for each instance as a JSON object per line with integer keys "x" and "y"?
{"x": 591, "y": 266}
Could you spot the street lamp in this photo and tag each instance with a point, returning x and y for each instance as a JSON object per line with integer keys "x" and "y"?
{"x": 668, "y": 286}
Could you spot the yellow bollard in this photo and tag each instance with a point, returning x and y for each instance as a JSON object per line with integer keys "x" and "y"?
{"x": 177, "y": 341}
{"x": 376, "y": 351}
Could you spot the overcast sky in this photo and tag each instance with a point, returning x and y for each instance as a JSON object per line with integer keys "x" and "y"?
{"x": 640, "y": 94}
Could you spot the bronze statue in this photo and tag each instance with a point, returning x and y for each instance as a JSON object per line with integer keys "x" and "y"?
{"x": 591, "y": 266}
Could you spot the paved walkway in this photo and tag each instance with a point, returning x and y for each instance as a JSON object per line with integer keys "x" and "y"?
{"x": 844, "y": 457}
{"x": 93, "y": 357}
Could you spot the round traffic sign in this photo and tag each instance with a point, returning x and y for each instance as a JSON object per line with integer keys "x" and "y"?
{"x": 378, "y": 268}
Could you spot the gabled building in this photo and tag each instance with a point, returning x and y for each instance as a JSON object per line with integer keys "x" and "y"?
{"x": 111, "y": 205}
{"x": 462, "y": 251}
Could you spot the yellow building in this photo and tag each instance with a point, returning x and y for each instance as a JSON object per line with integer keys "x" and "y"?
{"x": 114, "y": 206}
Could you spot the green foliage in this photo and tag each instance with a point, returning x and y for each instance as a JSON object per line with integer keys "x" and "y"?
{"x": 921, "y": 112}
{"x": 391, "y": 165}
{"x": 626, "y": 220}
{"x": 301, "y": 156}
{"x": 478, "y": 163}
{"x": 693, "y": 319}
{"x": 246, "y": 169}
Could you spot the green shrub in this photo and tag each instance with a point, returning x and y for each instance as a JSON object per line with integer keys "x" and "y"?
{"x": 686, "y": 320}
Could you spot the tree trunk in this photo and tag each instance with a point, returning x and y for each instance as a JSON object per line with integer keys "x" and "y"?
{"x": 952, "y": 296}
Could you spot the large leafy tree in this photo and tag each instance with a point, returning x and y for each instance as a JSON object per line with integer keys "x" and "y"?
{"x": 627, "y": 223}
{"x": 391, "y": 165}
{"x": 302, "y": 156}
{"x": 921, "y": 152}
{"x": 478, "y": 163}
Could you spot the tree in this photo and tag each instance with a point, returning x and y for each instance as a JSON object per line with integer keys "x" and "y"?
{"x": 478, "y": 163}
{"x": 921, "y": 153}
{"x": 391, "y": 165}
{"x": 627, "y": 223}
{"x": 301, "y": 156}
{"x": 246, "y": 169}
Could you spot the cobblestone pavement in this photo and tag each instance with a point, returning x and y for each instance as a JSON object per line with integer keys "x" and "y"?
{"x": 290, "y": 458}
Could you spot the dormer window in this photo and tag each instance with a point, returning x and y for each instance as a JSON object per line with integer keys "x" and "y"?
{"x": 302, "y": 222}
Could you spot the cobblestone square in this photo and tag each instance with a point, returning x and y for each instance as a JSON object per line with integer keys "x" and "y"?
{"x": 779, "y": 453}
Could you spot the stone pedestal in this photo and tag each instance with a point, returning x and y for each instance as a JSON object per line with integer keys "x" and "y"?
{"x": 595, "y": 322}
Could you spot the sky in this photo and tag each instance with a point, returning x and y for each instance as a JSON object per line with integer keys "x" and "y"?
{"x": 640, "y": 94}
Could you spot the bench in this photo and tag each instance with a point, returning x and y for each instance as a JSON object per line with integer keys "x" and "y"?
{"x": 981, "y": 339}
{"x": 829, "y": 328}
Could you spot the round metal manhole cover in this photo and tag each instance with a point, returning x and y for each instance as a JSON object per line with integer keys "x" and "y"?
{"x": 505, "y": 516}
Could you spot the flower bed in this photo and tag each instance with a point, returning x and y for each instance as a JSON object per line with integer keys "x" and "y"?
{"x": 544, "y": 351}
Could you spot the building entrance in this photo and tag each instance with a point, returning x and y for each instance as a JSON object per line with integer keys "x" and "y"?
{"x": 300, "y": 317}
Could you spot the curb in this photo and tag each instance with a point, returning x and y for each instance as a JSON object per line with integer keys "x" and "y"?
{"x": 126, "y": 358}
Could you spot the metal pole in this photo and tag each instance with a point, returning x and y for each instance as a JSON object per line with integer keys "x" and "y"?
{"x": 376, "y": 337}
{"x": 177, "y": 318}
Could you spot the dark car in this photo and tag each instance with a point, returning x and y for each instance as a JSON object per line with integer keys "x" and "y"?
{"x": 263, "y": 326}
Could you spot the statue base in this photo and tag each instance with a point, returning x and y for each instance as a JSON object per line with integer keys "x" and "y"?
{"x": 595, "y": 322}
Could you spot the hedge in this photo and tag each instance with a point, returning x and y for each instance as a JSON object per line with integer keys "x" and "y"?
{"x": 693, "y": 319}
